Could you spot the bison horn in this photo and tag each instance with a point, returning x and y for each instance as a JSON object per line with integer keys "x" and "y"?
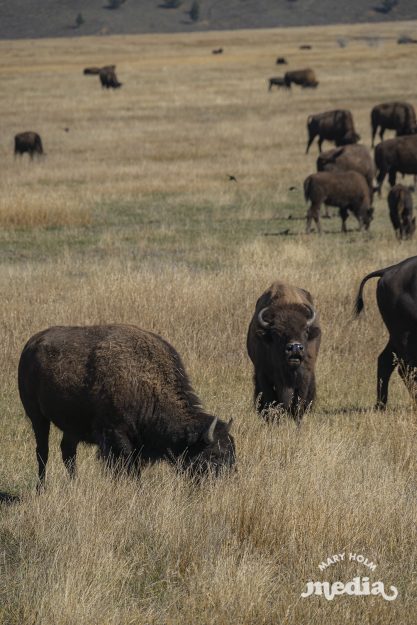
{"x": 209, "y": 435}
{"x": 312, "y": 315}
{"x": 261, "y": 319}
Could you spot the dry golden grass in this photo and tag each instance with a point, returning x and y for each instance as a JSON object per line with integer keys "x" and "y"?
{"x": 130, "y": 218}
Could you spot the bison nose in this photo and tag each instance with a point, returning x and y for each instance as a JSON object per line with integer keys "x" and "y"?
{"x": 294, "y": 348}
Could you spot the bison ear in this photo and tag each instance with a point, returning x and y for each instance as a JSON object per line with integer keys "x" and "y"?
{"x": 313, "y": 332}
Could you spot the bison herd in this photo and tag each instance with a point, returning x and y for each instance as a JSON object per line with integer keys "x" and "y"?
{"x": 349, "y": 181}
{"x": 125, "y": 389}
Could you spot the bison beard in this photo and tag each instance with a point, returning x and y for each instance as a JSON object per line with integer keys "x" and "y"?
{"x": 283, "y": 343}
{"x": 122, "y": 389}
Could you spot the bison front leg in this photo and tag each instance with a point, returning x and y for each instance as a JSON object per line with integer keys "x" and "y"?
{"x": 69, "y": 453}
{"x": 264, "y": 394}
{"x": 313, "y": 213}
{"x": 386, "y": 366}
{"x": 343, "y": 212}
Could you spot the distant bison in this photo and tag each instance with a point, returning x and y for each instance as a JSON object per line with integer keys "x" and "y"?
{"x": 281, "y": 60}
{"x": 217, "y": 51}
{"x": 123, "y": 389}
{"x": 29, "y": 142}
{"x": 398, "y": 116}
{"x": 395, "y": 155}
{"x": 334, "y": 126}
{"x": 347, "y": 190}
{"x": 349, "y": 158}
{"x": 400, "y": 204}
{"x": 91, "y": 71}
{"x": 396, "y": 294}
{"x": 108, "y": 78}
{"x": 277, "y": 81}
{"x": 303, "y": 77}
{"x": 283, "y": 343}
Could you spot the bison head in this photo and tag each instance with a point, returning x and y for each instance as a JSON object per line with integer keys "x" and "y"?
{"x": 366, "y": 218}
{"x": 350, "y": 137}
{"x": 410, "y": 228}
{"x": 210, "y": 450}
{"x": 287, "y": 331}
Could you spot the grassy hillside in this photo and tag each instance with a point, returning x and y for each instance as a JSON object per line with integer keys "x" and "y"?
{"x": 131, "y": 217}
{"x": 26, "y": 18}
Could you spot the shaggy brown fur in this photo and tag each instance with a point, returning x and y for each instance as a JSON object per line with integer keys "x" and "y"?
{"x": 108, "y": 77}
{"x": 334, "y": 126}
{"x": 283, "y": 343}
{"x": 91, "y": 71}
{"x": 395, "y": 155}
{"x": 303, "y": 77}
{"x": 29, "y": 142}
{"x": 400, "y": 204}
{"x": 349, "y": 158}
{"x": 398, "y": 116}
{"x": 123, "y": 389}
{"x": 396, "y": 295}
{"x": 346, "y": 190}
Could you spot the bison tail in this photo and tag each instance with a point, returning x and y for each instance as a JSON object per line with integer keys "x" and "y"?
{"x": 359, "y": 305}
{"x": 307, "y": 187}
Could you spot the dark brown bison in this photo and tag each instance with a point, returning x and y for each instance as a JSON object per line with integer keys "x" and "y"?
{"x": 91, "y": 71}
{"x": 395, "y": 155}
{"x": 396, "y": 295}
{"x": 281, "y": 60}
{"x": 120, "y": 388}
{"x": 217, "y": 51}
{"x": 398, "y": 116}
{"x": 29, "y": 142}
{"x": 347, "y": 190}
{"x": 277, "y": 81}
{"x": 334, "y": 126}
{"x": 349, "y": 158}
{"x": 108, "y": 78}
{"x": 283, "y": 343}
{"x": 400, "y": 204}
{"x": 302, "y": 77}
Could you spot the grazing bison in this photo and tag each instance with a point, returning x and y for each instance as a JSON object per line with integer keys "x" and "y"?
{"x": 123, "y": 389}
{"x": 396, "y": 295}
{"x": 29, "y": 142}
{"x": 303, "y": 77}
{"x": 347, "y": 190}
{"x": 349, "y": 158}
{"x": 334, "y": 126}
{"x": 217, "y": 51}
{"x": 283, "y": 343}
{"x": 398, "y": 116}
{"x": 277, "y": 81}
{"x": 395, "y": 155}
{"x": 108, "y": 78}
{"x": 281, "y": 60}
{"x": 400, "y": 204}
{"x": 91, "y": 71}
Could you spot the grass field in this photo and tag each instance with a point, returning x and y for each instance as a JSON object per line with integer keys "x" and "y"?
{"x": 131, "y": 217}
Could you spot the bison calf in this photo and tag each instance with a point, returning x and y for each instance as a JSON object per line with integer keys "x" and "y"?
{"x": 123, "y": 389}
{"x": 283, "y": 343}
{"x": 396, "y": 295}
{"x": 400, "y": 204}
{"x": 346, "y": 190}
{"x": 29, "y": 142}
